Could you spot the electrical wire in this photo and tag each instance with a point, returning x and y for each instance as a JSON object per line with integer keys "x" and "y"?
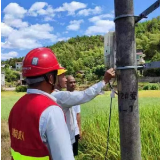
{"x": 112, "y": 88}
{"x": 108, "y": 129}
{"x": 110, "y": 114}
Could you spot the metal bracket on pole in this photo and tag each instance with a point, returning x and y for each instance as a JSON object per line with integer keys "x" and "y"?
{"x": 147, "y": 11}
{"x": 123, "y": 16}
{"x": 128, "y": 15}
{"x": 143, "y": 14}
{"x": 151, "y": 65}
{"x": 129, "y": 67}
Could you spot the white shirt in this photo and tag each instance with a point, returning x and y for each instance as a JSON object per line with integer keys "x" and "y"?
{"x": 70, "y": 120}
{"x": 76, "y": 109}
{"x": 68, "y": 99}
{"x": 53, "y": 130}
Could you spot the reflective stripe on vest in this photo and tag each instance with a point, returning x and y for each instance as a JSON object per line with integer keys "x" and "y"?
{"x": 18, "y": 156}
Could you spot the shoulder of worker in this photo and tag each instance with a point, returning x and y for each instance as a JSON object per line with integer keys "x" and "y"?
{"x": 49, "y": 115}
{"x": 52, "y": 108}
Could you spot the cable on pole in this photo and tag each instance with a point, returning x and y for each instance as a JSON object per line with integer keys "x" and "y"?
{"x": 109, "y": 123}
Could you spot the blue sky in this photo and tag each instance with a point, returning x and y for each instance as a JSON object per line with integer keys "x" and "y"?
{"x": 27, "y": 24}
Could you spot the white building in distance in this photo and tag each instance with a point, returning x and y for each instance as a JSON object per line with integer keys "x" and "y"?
{"x": 2, "y": 78}
{"x": 18, "y": 65}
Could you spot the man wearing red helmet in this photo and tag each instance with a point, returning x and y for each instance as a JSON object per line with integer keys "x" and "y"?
{"x": 36, "y": 123}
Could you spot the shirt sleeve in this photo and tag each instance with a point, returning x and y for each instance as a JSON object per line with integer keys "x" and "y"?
{"x": 77, "y": 109}
{"x": 54, "y": 133}
{"x": 68, "y": 99}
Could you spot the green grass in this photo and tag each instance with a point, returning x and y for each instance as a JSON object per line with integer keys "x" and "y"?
{"x": 94, "y": 142}
{"x": 8, "y": 99}
{"x": 95, "y": 123}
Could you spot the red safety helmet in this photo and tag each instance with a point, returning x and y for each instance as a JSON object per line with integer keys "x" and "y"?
{"x": 39, "y": 61}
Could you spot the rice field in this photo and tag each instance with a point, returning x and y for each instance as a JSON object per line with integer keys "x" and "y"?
{"x": 94, "y": 141}
{"x": 94, "y": 116}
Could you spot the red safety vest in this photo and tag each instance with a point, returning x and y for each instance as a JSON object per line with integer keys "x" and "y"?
{"x": 26, "y": 143}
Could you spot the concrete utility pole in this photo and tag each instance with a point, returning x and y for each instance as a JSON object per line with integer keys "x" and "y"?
{"x": 127, "y": 81}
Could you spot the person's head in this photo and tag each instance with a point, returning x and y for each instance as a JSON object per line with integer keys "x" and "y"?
{"x": 39, "y": 68}
{"x": 62, "y": 81}
{"x": 71, "y": 83}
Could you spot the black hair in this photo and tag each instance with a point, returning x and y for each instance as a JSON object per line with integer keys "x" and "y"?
{"x": 45, "y": 76}
{"x": 53, "y": 73}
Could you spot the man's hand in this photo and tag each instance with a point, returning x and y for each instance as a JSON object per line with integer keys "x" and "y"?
{"x": 110, "y": 73}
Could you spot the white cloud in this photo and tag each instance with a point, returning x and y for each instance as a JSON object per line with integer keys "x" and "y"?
{"x": 74, "y": 25}
{"x": 103, "y": 16}
{"x": 49, "y": 10}
{"x": 15, "y": 10}
{"x": 9, "y": 55}
{"x": 17, "y": 23}
{"x": 47, "y": 18}
{"x": 37, "y": 7}
{"x": 5, "y": 44}
{"x": 86, "y": 12}
{"x": 29, "y": 37}
{"x": 18, "y": 34}
{"x": 13, "y": 15}
{"x": 100, "y": 26}
{"x": 62, "y": 24}
{"x": 42, "y": 9}
{"x": 5, "y": 30}
{"x": 21, "y": 44}
{"x": 65, "y": 32}
{"x": 71, "y": 7}
{"x": 63, "y": 38}
{"x": 38, "y": 31}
